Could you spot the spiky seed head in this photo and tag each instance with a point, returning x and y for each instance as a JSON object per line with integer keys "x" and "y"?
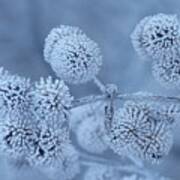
{"x": 136, "y": 129}
{"x": 51, "y": 101}
{"x": 157, "y": 36}
{"x": 16, "y": 137}
{"x": 73, "y": 56}
{"x": 14, "y": 98}
{"x": 48, "y": 147}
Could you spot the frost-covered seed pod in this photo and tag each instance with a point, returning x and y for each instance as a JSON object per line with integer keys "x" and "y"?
{"x": 167, "y": 71}
{"x": 50, "y": 102}
{"x": 157, "y": 36}
{"x": 136, "y": 129}
{"x": 73, "y": 56}
{"x": 100, "y": 172}
{"x": 14, "y": 98}
{"x": 90, "y": 135}
{"x": 48, "y": 148}
{"x": 16, "y": 138}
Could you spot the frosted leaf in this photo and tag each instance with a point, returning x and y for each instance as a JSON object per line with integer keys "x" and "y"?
{"x": 51, "y": 101}
{"x": 138, "y": 130}
{"x": 90, "y": 135}
{"x": 100, "y": 172}
{"x": 157, "y": 36}
{"x": 48, "y": 147}
{"x": 69, "y": 167}
{"x": 14, "y": 97}
{"x": 73, "y": 56}
{"x": 167, "y": 71}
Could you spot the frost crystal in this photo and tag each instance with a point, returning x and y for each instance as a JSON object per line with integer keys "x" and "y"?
{"x": 90, "y": 135}
{"x": 167, "y": 71}
{"x": 51, "y": 101}
{"x": 138, "y": 130}
{"x": 157, "y": 36}
{"x": 48, "y": 147}
{"x": 72, "y": 55}
{"x": 100, "y": 172}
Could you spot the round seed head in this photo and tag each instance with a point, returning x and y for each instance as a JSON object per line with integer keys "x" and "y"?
{"x": 157, "y": 36}
{"x": 14, "y": 98}
{"x": 50, "y": 102}
{"x": 138, "y": 130}
{"x": 73, "y": 56}
{"x": 48, "y": 147}
{"x": 16, "y": 137}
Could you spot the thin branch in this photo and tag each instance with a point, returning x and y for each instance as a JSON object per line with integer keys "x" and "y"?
{"x": 125, "y": 97}
{"x": 99, "y": 84}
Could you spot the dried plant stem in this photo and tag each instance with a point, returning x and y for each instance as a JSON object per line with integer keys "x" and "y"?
{"x": 99, "y": 84}
{"x": 125, "y": 97}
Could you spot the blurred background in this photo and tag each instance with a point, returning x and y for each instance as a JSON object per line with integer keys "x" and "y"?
{"x": 24, "y": 24}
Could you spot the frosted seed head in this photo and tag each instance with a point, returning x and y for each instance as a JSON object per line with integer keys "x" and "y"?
{"x": 48, "y": 147}
{"x": 136, "y": 129}
{"x": 51, "y": 101}
{"x": 157, "y": 36}
{"x": 73, "y": 56}
{"x": 167, "y": 71}
{"x": 90, "y": 135}
{"x": 16, "y": 137}
{"x": 100, "y": 172}
{"x": 14, "y": 98}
